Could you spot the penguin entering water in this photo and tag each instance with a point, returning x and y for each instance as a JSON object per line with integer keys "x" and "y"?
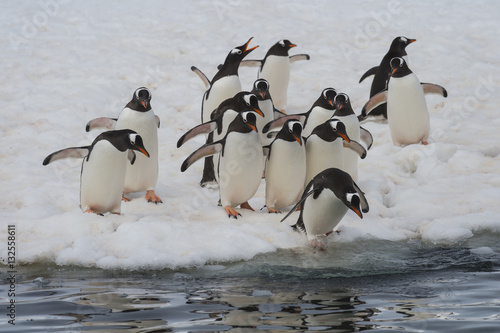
{"x": 382, "y": 72}
{"x": 241, "y": 160}
{"x": 285, "y": 168}
{"x": 275, "y": 68}
{"x": 325, "y": 201}
{"x": 407, "y": 112}
{"x": 139, "y": 116}
{"x": 226, "y": 83}
{"x": 103, "y": 168}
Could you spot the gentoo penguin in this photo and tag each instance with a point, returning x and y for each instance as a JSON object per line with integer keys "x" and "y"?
{"x": 138, "y": 116}
{"x": 382, "y": 72}
{"x": 285, "y": 168}
{"x": 275, "y": 68}
{"x": 241, "y": 162}
{"x": 266, "y": 105}
{"x": 407, "y": 112}
{"x": 324, "y": 148}
{"x": 321, "y": 110}
{"x": 222, "y": 117}
{"x": 226, "y": 83}
{"x": 346, "y": 115}
{"x": 103, "y": 168}
{"x": 325, "y": 201}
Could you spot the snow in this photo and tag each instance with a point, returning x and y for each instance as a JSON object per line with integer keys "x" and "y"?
{"x": 66, "y": 62}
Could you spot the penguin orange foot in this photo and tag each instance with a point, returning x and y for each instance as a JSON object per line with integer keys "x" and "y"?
{"x": 91, "y": 211}
{"x": 152, "y": 197}
{"x": 231, "y": 212}
{"x": 272, "y": 210}
{"x": 125, "y": 198}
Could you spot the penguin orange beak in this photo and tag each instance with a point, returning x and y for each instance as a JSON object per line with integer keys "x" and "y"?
{"x": 331, "y": 102}
{"x": 253, "y": 127}
{"x": 293, "y": 45}
{"x": 144, "y": 152}
{"x": 259, "y": 112}
{"x": 357, "y": 212}
{"x": 345, "y": 137}
{"x": 298, "y": 139}
{"x": 144, "y": 103}
{"x": 411, "y": 41}
{"x": 246, "y": 46}
{"x": 394, "y": 71}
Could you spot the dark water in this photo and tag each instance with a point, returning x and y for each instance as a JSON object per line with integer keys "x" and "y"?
{"x": 367, "y": 285}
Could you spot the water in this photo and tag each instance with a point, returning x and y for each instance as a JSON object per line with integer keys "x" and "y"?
{"x": 365, "y": 285}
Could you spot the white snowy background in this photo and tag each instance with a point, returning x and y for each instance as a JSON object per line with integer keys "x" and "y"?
{"x": 63, "y": 63}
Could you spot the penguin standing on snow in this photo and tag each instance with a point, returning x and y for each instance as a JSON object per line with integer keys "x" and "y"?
{"x": 103, "y": 168}
{"x": 241, "y": 161}
{"x": 325, "y": 201}
{"x": 321, "y": 110}
{"x": 346, "y": 115}
{"x": 138, "y": 116}
{"x": 407, "y": 112}
{"x": 325, "y": 148}
{"x": 275, "y": 68}
{"x": 226, "y": 83}
{"x": 285, "y": 168}
{"x": 382, "y": 72}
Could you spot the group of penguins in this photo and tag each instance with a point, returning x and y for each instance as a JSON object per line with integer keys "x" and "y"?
{"x": 309, "y": 160}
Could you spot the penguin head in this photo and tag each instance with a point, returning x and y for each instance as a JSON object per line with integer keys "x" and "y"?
{"x": 281, "y": 48}
{"x": 399, "y": 45}
{"x": 261, "y": 89}
{"x": 399, "y": 67}
{"x": 239, "y": 52}
{"x": 291, "y": 131}
{"x": 342, "y": 102}
{"x": 251, "y": 102}
{"x": 339, "y": 129}
{"x": 328, "y": 96}
{"x": 249, "y": 119}
{"x": 353, "y": 202}
{"x": 135, "y": 142}
{"x": 142, "y": 99}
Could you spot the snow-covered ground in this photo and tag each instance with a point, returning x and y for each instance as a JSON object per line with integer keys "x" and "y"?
{"x": 65, "y": 62}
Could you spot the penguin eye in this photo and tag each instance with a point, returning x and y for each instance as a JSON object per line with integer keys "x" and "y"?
{"x": 132, "y": 138}
{"x": 282, "y": 43}
{"x": 403, "y": 39}
{"x": 350, "y": 196}
{"x": 329, "y": 91}
{"x": 248, "y": 99}
{"x": 333, "y": 124}
{"x": 236, "y": 51}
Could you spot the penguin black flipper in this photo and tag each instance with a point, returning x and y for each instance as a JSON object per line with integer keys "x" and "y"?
{"x": 202, "y": 76}
{"x": 378, "y": 99}
{"x": 298, "y": 57}
{"x": 278, "y": 114}
{"x": 131, "y": 156}
{"x": 366, "y": 137}
{"x": 431, "y": 88}
{"x": 368, "y": 73}
{"x": 280, "y": 121}
{"x": 72, "y": 152}
{"x": 203, "y": 151}
{"x": 204, "y": 128}
{"x": 251, "y": 63}
{"x": 356, "y": 147}
{"x": 102, "y": 123}
{"x": 305, "y": 195}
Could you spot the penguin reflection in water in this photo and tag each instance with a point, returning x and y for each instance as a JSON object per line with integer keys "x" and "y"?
{"x": 241, "y": 160}
{"x": 103, "y": 169}
{"x": 325, "y": 201}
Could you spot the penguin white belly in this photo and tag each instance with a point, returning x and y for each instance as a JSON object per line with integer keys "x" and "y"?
{"x": 240, "y": 169}
{"x": 102, "y": 179}
{"x": 407, "y": 112}
{"x": 276, "y": 71}
{"x": 143, "y": 174}
{"x": 285, "y": 174}
{"x": 321, "y": 155}
{"x": 221, "y": 90}
{"x": 317, "y": 117}
{"x": 322, "y": 214}
{"x": 351, "y": 123}
{"x": 267, "y": 109}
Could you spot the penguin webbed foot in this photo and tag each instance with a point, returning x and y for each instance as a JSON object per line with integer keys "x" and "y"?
{"x": 152, "y": 197}
{"x": 319, "y": 243}
{"x": 273, "y": 211}
{"x": 125, "y": 199}
{"x": 231, "y": 212}
{"x": 93, "y": 212}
